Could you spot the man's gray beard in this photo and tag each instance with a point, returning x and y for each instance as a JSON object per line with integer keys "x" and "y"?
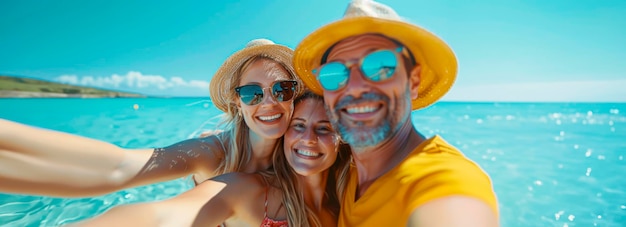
{"x": 363, "y": 136}
{"x": 360, "y": 137}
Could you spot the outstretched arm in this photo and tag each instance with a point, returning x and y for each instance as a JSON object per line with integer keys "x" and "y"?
{"x": 453, "y": 211}
{"x": 208, "y": 204}
{"x": 45, "y": 162}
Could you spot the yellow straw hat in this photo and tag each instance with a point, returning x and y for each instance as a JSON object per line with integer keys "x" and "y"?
{"x": 222, "y": 86}
{"x": 439, "y": 65}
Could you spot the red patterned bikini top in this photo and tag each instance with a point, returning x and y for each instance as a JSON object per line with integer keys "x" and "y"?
{"x": 268, "y": 222}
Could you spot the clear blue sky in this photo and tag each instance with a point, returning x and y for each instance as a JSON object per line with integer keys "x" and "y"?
{"x": 508, "y": 50}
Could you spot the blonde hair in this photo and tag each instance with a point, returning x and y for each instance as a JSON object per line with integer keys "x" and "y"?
{"x": 298, "y": 213}
{"x": 236, "y": 138}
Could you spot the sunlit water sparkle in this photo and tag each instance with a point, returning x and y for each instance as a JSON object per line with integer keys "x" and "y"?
{"x": 552, "y": 164}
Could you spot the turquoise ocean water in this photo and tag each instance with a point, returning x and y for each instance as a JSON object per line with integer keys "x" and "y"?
{"x": 552, "y": 164}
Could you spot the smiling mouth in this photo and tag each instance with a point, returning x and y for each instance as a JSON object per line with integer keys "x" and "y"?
{"x": 307, "y": 153}
{"x": 270, "y": 118}
{"x": 362, "y": 109}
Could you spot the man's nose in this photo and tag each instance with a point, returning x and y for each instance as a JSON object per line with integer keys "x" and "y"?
{"x": 357, "y": 84}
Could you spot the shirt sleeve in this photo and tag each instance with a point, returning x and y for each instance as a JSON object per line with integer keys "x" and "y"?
{"x": 449, "y": 173}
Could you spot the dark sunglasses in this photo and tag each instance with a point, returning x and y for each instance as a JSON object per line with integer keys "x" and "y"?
{"x": 252, "y": 94}
{"x": 376, "y": 66}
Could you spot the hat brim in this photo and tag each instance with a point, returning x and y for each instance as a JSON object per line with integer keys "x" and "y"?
{"x": 438, "y": 62}
{"x": 222, "y": 85}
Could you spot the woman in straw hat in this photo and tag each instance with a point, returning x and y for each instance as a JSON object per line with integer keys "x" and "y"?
{"x": 43, "y": 162}
{"x": 303, "y": 189}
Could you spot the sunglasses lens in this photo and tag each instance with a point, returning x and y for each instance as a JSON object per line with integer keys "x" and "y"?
{"x": 379, "y": 65}
{"x": 333, "y": 76}
{"x": 284, "y": 90}
{"x": 250, "y": 94}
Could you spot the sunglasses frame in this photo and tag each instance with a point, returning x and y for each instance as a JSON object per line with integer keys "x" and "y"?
{"x": 273, "y": 93}
{"x": 359, "y": 63}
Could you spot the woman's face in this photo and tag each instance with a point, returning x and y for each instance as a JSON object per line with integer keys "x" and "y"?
{"x": 270, "y": 118}
{"x": 310, "y": 141}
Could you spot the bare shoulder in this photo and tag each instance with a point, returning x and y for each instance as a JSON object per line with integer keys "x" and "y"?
{"x": 454, "y": 211}
{"x": 230, "y": 188}
{"x": 237, "y": 191}
{"x": 203, "y": 155}
{"x": 239, "y": 182}
{"x": 213, "y": 145}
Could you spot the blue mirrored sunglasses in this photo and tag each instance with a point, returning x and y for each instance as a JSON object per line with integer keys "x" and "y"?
{"x": 377, "y": 66}
{"x": 252, "y": 94}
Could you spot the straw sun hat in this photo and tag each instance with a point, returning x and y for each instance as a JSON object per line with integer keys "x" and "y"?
{"x": 222, "y": 86}
{"x": 439, "y": 65}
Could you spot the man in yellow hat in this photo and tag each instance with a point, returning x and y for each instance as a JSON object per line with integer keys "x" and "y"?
{"x": 373, "y": 70}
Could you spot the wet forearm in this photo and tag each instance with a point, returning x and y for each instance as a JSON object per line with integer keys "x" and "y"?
{"x": 125, "y": 215}
{"x": 38, "y": 161}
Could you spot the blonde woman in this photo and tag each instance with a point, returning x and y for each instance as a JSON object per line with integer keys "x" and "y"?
{"x": 302, "y": 191}
{"x": 255, "y": 87}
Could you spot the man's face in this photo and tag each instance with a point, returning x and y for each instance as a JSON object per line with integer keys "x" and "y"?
{"x": 364, "y": 112}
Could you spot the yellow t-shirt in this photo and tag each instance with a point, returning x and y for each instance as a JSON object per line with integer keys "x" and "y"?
{"x": 435, "y": 169}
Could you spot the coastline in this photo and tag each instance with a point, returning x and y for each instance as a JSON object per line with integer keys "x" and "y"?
{"x": 32, "y": 94}
{"x": 23, "y": 87}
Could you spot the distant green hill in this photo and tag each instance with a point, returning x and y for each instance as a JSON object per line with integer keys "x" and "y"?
{"x": 11, "y": 86}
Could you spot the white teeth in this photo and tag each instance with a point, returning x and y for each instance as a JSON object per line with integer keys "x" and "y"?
{"x": 270, "y": 118}
{"x": 307, "y": 153}
{"x": 363, "y": 109}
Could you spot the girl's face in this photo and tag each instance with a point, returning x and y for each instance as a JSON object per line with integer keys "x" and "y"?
{"x": 310, "y": 141}
{"x": 269, "y": 118}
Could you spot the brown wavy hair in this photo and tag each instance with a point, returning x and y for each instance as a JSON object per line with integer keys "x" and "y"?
{"x": 299, "y": 214}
